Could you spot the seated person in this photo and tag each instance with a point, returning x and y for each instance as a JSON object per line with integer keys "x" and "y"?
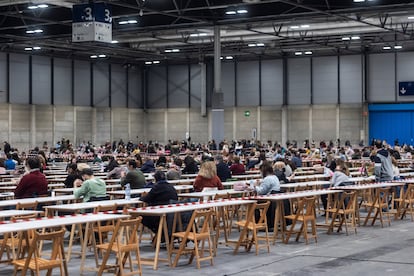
{"x": 33, "y": 183}
{"x": 237, "y": 168}
{"x": 148, "y": 166}
{"x": 10, "y": 164}
{"x": 161, "y": 194}
{"x": 174, "y": 173}
{"x": 223, "y": 171}
{"x": 207, "y": 177}
{"x": 134, "y": 176}
{"x": 91, "y": 188}
{"x": 73, "y": 174}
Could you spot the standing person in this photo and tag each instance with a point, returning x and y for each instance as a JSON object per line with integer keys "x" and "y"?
{"x": 33, "y": 183}
{"x": 207, "y": 177}
{"x": 134, "y": 176}
{"x": 383, "y": 165}
{"x": 91, "y": 188}
{"x": 7, "y": 147}
{"x": 223, "y": 171}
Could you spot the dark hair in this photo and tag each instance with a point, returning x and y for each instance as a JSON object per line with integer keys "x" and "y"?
{"x": 73, "y": 166}
{"x": 86, "y": 171}
{"x": 378, "y": 144}
{"x": 159, "y": 175}
{"x": 266, "y": 168}
{"x": 132, "y": 163}
{"x": 178, "y": 161}
{"x": 33, "y": 162}
{"x": 219, "y": 158}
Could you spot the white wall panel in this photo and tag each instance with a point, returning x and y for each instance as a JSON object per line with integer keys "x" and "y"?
{"x": 298, "y": 124}
{"x": 272, "y": 82}
{"x": 325, "y": 80}
{"x": 228, "y": 83}
{"x": 134, "y": 88}
{"x": 62, "y": 81}
{"x": 118, "y": 86}
{"x": 405, "y": 72}
{"x": 41, "y": 80}
{"x": 157, "y": 87}
{"x": 270, "y": 124}
{"x": 64, "y": 124}
{"x": 83, "y": 125}
{"x": 82, "y": 83}
{"x": 299, "y": 81}
{"x": 100, "y": 84}
{"x": 247, "y": 83}
{"x": 3, "y": 77}
{"x": 44, "y": 124}
{"x": 324, "y": 123}
{"x": 350, "y": 78}
{"x": 381, "y": 78}
{"x": 178, "y": 86}
{"x": 198, "y": 126}
{"x": 103, "y": 122}
{"x": 120, "y": 124}
{"x": 19, "y": 79}
{"x": 195, "y": 85}
{"x": 176, "y": 124}
{"x": 4, "y": 122}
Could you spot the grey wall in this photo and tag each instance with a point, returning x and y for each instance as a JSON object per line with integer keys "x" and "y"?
{"x": 98, "y": 101}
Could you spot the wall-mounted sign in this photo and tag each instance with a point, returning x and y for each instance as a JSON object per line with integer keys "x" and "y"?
{"x": 406, "y": 88}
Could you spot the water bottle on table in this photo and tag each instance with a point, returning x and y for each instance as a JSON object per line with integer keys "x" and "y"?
{"x": 127, "y": 191}
{"x": 251, "y": 184}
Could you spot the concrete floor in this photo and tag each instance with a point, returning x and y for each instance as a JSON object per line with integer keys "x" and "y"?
{"x": 372, "y": 251}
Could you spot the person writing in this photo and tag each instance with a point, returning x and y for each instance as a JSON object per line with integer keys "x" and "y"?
{"x": 91, "y": 188}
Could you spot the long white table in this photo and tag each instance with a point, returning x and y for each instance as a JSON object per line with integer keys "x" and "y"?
{"x": 47, "y": 222}
{"x": 163, "y": 210}
{"x": 13, "y": 202}
{"x": 120, "y": 193}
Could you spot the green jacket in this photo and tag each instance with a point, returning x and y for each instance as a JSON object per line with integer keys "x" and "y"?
{"x": 90, "y": 188}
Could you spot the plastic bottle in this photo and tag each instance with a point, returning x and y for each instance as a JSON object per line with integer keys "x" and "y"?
{"x": 127, "y": 191}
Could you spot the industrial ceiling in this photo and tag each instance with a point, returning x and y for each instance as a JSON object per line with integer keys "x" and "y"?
{"x": 180, "y": 31}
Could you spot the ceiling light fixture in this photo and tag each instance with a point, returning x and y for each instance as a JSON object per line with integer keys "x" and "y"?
{"x": 172, "y": 50}
{"x": 231, "y": 12}
{"x": 102, "y": 56}
{"x": 114, "y": 41}
{"x": 346, "y": 38}
{"x": 148, "y": 62}
{"x": 28, "y": 48}
{"x": 156, "y": 62}
{"x": 242, "y": 11}
{"x": 229, "y": 57}
{"x": 37, "y": 31}
{"x": 355, "y": 37}
{"x": 386, "y": 48}
{"x": 308, "y": 53}
{"x": 237, "y": 11}
{"x": 398, "y": 47}
{"x": 37, "y": 48}
{"x": 298, "y": 53}
{"x": 410, "y": 17}
{"x": 129, "y": 21}
{"x": 198, "y": 34}
{"x": 39, "y": 6}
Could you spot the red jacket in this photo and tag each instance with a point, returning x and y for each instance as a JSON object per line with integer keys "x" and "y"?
{"x": 202, "y": 182}
{"x": 31, "y": 185}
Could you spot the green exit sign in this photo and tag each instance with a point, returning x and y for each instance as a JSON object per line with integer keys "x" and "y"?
{"x": 247, "y": 113}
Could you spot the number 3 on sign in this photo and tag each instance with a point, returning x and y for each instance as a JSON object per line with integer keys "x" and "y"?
{"x": 108, "y": 17}
{"x": 88, "y": 14}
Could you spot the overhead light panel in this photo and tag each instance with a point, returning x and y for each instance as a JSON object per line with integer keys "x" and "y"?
{"x": 298, "y": 53}
{"x": 152, "y": 62}
{"x": 229, "y": 57}
{"x": 156, "y": 62}
{"x": 93, "y": 56}
{"x": 294, "y": 27}
{"x": 172, "y": 50}
{"x": 198, "y": 34}
{"x": 304, "y": 26}
{"x": 236, "y": 11}
{"x": 308, "y": 53}
{"x": 28, "y": 49}
{"x": 256, "y": 44}
{"x": 346, "y": 38}
{"x": 37, "y": 48}
{"x": 129, "y": 21}
{"x": 98, "y": 56}
{"x": 39, "y": 6}
{"x": 36, "y": 31}
{"x": 114, "y": 41}
{"x": 355, "y": 37}
{"x": 386, "y": 48}
{"x": 102, "y": 56}
{"x": 398, "y": 47}
{"x": 411, "y": 18}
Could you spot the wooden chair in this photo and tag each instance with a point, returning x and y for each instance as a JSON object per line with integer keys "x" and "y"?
{"x": 101, "y": 229}
{"x": 408, "y": 202}
{"x": 305, "y": 213}
{"x": 36, "y": 263}
{"x": 254, "y": 225}
{"x": 198, "y": 235}
{"x": 124, "y": 243}
{"x": 381, "y": 206}
{"x": 13, "y": 243}
{"x": 222, "y": 218}
{"x": 344, "y": 211}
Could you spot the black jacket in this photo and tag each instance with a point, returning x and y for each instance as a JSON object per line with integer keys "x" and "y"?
{"x": 160, "y": 194}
